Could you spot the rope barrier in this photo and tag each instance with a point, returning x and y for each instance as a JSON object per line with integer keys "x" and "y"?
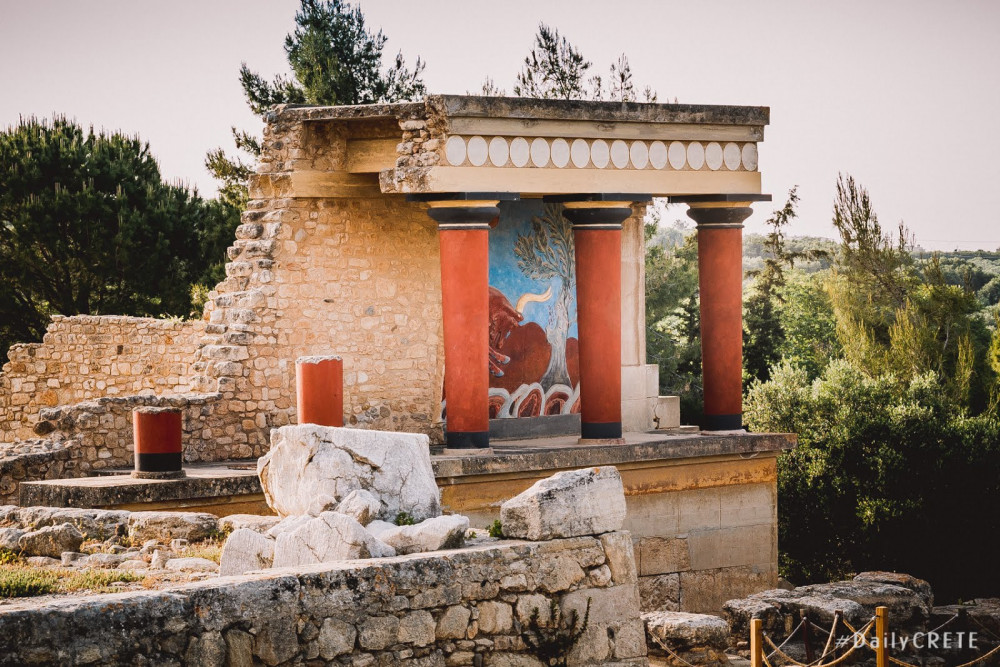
{"x": 672, "y": 654}
{"x": 790, "y": 636}
{"x": 819, "y": 661}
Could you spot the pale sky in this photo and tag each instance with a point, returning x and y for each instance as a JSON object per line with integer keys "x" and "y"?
{"x": 902, "y": 94}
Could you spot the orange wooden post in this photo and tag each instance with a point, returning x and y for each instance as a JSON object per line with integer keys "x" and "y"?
{"x": 756, "y": 643}
{"x": 156, "y": 437}
{"x": 882, "y": 636}
{"x": 319, "y": 390}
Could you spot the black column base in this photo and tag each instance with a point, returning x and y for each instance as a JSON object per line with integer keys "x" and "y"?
{"x": 601, "y": 430}
{"x": 168, "y": 462}
{"x": 467, "y": 439}
{"x": 723, "y": 422}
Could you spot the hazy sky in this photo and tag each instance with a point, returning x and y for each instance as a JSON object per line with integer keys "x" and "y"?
{"x": 903, "y": 94}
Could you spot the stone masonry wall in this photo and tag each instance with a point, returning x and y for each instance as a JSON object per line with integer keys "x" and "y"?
{"x": 355, "y": 277}
{"x": 85, "y": 357}
{"x": 464, "y": 607}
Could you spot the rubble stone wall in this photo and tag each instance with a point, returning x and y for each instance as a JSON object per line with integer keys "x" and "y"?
{"x": 85, "y": 357}
{"x": 463, "y": 607}
{"x": 31, "y": 460}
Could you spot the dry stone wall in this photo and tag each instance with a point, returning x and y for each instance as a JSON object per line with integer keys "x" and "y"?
{"x": 85, "y": 357}
{"x": 463, "y": 607}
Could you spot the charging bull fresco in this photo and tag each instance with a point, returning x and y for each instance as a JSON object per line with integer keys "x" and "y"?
{"x": 534, "y": 363}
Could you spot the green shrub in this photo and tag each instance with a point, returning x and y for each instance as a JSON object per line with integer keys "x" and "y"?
{"x": 8, "y": 557}
{"x": 495, "y": 529}
{"x": 18, "y": 581}
{"x": 887, "y": 475}
{"x": 405, "y": 519}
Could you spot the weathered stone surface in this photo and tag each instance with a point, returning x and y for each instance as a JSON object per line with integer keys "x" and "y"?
{"x": 620, "y": 556}
{"x": 918, "y": 586}
{"x": 42, "y": 561}
{"x": 571, "y": 503}
{"x": 101, "y": 561}
{"x": 244, "y": 551}
{"x": 906, "y": 607}
{"x": 93, "y": 523}
{"x": 442, "y": 532}
{"x": 322, "y": 503}
{"x": 378, "y": 632}
{"x": 307, "y": 460}
{"x": 417, "y": 628}
{"x": 336, "y": 638}
{"x": 682, "y": 631}
{"x": 328, "y": 537}
{"x": 289, "y": 523}
{"x": 9, "y": 538}
{"x": 453, "y": 622}
{"x": 362, "y": 505}
{"x": 192, "y": 526}
{"x": 134, "y": 565}
{"x": 51, "y": 541}
{"x": 663, "y": 555}
{"x": 495, "y": 617}
{"x": 661, "y": 592}
{"x": 257, "y": 522}
{"x": 191, "y": 565}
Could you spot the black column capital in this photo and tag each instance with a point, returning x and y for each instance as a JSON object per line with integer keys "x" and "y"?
{"x": 463, "y": 210}
{"x": 720, "y": 218}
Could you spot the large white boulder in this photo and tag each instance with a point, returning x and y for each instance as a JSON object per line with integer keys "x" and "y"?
{"x": 307, "y": 461}
{"x": 590, "y": 501}
{"x": 326, "y": 538}
{"x": 244, "y": 551}
{"x": 443, "y": 532}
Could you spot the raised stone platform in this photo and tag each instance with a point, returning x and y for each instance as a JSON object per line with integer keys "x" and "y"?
{"x": 702, "y": 509}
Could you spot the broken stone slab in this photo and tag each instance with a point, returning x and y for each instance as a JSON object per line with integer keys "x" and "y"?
{"x": 101, "y": 561}
{"x": 772, "y": 606}
{"x": 361, "y": 505}
{"x": 327, "y": 538}
{"x": 42, "y": 561}
{"x": 918, "y": 586}
{"x": 9, "y": 538}
{"x": 572, "y": 503}
{"x": 695, "y": 639}
{"x": 191, "y": 526}
{"x": 191, "y": 565}
{"x": 51, "y": 541}
{"x": 70, "y": 558}
{"x": 323, "y": 503}
{"x": 134, "y": 566}
{"x": 257, "y": 522}
{"x": 287, "y": 524}
{"x": 306, "y": 461}
{"x": 95, "y": 524}
{"x": 442, "y": 532}
{"x": 246, "y": 550}
{"x": 983, "y": 611}
{"x": 908, "y": 609}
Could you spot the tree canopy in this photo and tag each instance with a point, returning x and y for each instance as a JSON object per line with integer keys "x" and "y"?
{"x": 334, "y": 59}
{"x": 88, "y": 226}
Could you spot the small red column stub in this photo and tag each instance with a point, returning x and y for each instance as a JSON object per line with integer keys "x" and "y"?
{"x": 319, "y": 390}
{"x": 156, "y": 435}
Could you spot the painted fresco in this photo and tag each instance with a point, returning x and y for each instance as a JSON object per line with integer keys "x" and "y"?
{"x": 534, "y": 364}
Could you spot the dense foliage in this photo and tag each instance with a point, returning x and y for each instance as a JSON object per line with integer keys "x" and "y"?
{"x": 884, "y": 360}
{"x": 88, "y": 226}
{"x": 334, "y": 59}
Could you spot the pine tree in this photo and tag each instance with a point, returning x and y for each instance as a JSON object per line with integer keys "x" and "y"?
{"x": 334, "y": 60}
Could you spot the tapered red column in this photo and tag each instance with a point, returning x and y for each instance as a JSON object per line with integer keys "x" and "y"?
{"x": 720, "y": 279}
{"x": 463, "y": 231}
{"x": 597, "y": 235}
{"x": 319, "y": 390}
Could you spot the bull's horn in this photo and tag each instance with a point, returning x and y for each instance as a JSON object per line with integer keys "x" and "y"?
{"x": 528, "y": 297}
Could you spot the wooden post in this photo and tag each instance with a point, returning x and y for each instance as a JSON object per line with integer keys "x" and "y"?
{"x": 756, "y": 643}
{"x": 806, "y": 636}
{"x": 881, "y": 632}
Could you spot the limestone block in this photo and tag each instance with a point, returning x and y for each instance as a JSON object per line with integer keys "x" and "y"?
{"x": 620, "y": 557}
{"x": 326, "y": 538}
{"x": 336, "y": 638}
{"x": 361, "y": 505}
{"x": 696, "y": 639}
{"x": 244, "y": 551}
{"x": 93, "y": 523}
{"x": 454, "y": 623}
{"x": 442, "y": 532}
{"x": 192, "y": 526}
{"x": 259, "y": 523}
{"x": 662, "y": 555}
{"x": 42, "y": 561}
{"x": 918, "y": 586}
{"x": 660, "y": 592}
{"x": 417, "y": 628}
{"x": 191, "y": 565}
{"x": 378, "y": 632}
{"x": 308, "y": 460}
{"x": 51, "y": 541}
{"x": 495, "y": 618}
{"x": 667, "y": 412}
{"x": 590, "y": 501}
{"x": 101, "y": 561}
{"x": 9, "y": 538}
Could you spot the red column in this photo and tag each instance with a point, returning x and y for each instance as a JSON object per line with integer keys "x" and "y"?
{"x": 156, "y": 437}
{"x": 720, "y": 279}
{"x": 463, "y": 231}
{"x": 319, "y": 390}
{"x": 597, "y": 235}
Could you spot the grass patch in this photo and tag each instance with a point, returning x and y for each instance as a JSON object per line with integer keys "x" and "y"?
{"x": 210, "y": 549}
{"x": 8, "y": 557}
{"x": 21, "y": 581}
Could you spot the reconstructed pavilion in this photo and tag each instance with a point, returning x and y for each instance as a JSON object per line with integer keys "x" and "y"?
{"x": 477, "y": 163}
